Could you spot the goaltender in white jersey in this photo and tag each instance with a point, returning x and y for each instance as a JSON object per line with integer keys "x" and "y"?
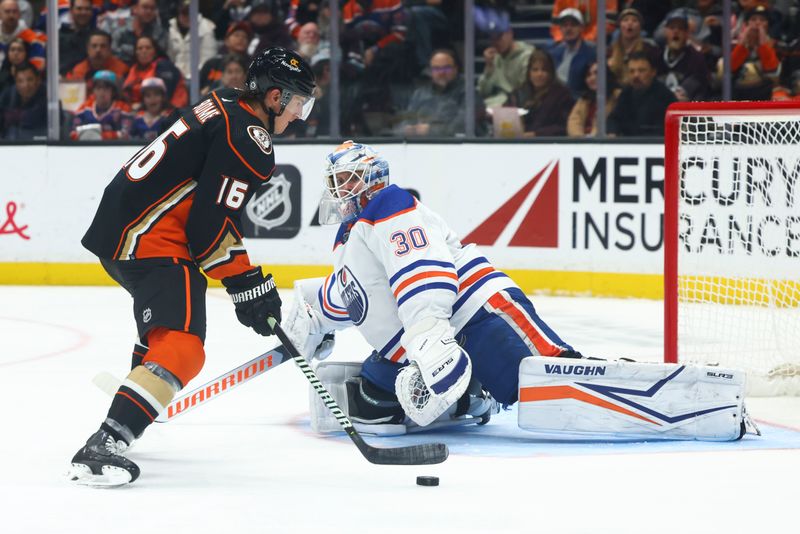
{"x": 450, "y": 331}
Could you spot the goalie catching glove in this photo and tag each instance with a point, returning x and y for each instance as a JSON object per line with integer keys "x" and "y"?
{"x": 255, "y": 298}
{"x": 438, "y": 372}
{"x": 303, "y": 325}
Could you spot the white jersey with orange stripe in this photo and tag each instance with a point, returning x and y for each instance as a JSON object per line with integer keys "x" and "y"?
{"x": 398, "y": 264}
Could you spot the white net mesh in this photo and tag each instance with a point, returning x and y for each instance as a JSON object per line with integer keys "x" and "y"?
{"x": 739, "y": 247}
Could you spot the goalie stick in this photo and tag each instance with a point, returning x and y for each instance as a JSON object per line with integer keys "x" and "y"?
{"x": 211, "y": 389}
{"x": 423, "y": 454}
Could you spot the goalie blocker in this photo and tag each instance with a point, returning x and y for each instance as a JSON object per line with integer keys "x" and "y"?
{"x": 630, "y": 400}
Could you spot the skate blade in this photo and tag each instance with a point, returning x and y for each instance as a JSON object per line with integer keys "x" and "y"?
{"x": 111, "y": 476}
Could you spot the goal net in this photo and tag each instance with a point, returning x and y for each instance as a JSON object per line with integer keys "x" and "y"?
{"x": 732, "y": 240}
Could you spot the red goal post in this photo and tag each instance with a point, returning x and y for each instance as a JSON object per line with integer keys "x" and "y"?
{"x": 732, "y": 239}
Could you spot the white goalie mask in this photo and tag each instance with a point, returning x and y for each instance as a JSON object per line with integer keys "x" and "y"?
{"x": 353, "y": 174}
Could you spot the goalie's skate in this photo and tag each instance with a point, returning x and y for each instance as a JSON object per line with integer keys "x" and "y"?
{"x": 100, "y": 463}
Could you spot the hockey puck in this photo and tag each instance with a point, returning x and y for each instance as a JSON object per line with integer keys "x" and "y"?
{"x": 427, "y": 481}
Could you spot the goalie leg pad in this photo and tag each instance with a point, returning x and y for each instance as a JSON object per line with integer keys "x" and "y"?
{"x": 333, "y": 376}
{"x": 360, "y": 399}
{"x": 594, "y": 399}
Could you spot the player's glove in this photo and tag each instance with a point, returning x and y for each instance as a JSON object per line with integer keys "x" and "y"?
{"x": 438, "y": 372}
{"x": 256, "y": 298}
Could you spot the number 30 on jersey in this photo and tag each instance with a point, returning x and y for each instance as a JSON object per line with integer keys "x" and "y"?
{"x": 406, "y": 241}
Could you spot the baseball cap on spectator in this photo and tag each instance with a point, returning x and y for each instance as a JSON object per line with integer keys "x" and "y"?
{"x": 630, "y": 11}
{"x": 492, "y": 21}
{"x": 677, "y": 15}
{"x": 570, "y": 13}
{"x": 105, "y": 76}
{"x": 759, "y": 10}
{"x": 154, "y": 83}
{"x": 240, "y": 26}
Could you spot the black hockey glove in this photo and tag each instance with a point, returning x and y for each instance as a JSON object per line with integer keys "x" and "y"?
{"x": 255, "y": 298}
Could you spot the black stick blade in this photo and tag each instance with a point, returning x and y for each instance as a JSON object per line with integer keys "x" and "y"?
{"x": 424, "y": 454}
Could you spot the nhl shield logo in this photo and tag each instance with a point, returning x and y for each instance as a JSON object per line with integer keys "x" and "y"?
{"x": 353, "y": 294}
{"x": 261, "y": 138}
{"x": 147, "y": 315}
{"x": 263, "y": 207}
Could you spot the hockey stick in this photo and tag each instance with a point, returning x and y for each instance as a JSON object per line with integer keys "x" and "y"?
{"x": 211, "y": 389}
{"x": 426, "y": 453}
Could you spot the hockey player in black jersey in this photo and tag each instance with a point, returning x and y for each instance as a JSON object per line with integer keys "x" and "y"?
{"x": 173, "y": 209}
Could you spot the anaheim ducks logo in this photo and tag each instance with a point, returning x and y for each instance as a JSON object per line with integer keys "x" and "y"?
{"x": 293, "y": 62}
{"x": 261, "y": 138}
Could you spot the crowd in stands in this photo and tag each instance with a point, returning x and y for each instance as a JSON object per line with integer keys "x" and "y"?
{"x": 127, "y": 63}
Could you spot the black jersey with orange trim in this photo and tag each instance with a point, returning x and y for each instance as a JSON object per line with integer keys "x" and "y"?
{"x": 182, "y": 196}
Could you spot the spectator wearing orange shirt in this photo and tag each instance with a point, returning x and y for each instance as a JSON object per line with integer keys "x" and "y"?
{"x": 98, "y": 57}
{"x": 151, "y": 63}
{"x": 754, "y": 63}
{"x": 588, "y": 9}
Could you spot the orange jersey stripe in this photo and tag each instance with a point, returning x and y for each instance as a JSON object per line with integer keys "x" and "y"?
{"x": 325, "y": 303}
{"x": 239, "y": 263}
{"x": 392, "y": 216}
{"x": 544, "y": 347}
{"x": 420, "y": 276}
{"x": 230, "y": 144}
{"x": 474, "y": 278}
{"x": 138, "y": 219}
{"x": 167, "y": 238}
{"x": 397, "y": 355}
{"x": 188, "y": 299}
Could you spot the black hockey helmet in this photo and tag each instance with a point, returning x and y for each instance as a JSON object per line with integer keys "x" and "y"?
{"x": 283, "y": 69}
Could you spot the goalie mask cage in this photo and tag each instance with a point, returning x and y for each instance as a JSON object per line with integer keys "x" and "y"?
{"x": 732, "y": 240}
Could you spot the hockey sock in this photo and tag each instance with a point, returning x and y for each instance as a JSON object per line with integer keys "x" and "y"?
{"x": 139, "y": 350}
{"x": 143, "y": 395}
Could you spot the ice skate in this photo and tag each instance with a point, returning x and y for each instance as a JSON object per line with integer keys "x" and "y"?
{"x": 100, "y": 463}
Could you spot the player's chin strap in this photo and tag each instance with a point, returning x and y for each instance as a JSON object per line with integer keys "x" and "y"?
{"x": 270, "y": 116}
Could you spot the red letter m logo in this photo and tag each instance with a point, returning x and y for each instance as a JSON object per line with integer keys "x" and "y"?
{"x": 527, "y": 219}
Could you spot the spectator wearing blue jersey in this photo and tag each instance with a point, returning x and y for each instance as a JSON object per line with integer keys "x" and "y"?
{"x": 572, "y": 55}
{"x": 152, "y": 119}
{"x": 103, "y": 115}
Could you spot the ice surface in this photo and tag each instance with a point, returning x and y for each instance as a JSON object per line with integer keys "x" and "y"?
{"x": 247, "y": 462}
